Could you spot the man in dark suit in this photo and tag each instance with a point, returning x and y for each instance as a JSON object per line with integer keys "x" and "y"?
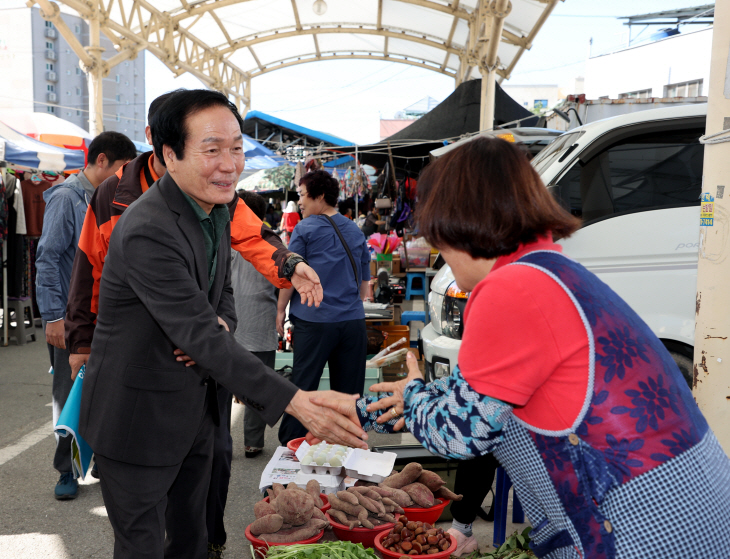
{"x": 166, "y": 286}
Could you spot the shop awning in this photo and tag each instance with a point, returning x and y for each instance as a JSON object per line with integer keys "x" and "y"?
{"x": 22, "y": 151}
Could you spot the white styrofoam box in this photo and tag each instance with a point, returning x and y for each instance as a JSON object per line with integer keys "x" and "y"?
{"x": 369, "y": 466}
{"x": 327, "y": 483}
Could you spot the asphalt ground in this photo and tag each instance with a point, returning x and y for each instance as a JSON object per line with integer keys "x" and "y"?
{"x": 34, "y": 525}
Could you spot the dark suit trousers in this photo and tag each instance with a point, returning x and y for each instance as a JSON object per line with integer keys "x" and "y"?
{"x": 342, "y": 345}
{"x": 221, "y": 471}
{"x": 159, "y": 512}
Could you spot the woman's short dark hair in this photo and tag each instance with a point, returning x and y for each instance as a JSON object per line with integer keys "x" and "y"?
{"x": 486, "y": 199}
{"x": 169, "y": 124}
{"x": 321, "y": 182}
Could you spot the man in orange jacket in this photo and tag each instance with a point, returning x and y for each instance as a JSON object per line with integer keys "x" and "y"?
{"x": 255, "y": 242}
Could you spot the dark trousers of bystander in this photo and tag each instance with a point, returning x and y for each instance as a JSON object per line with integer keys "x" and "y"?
{"x": 60, "y": 390}
{"x": 254, "y": 427}
{"x": 474, "y": 479}
{"x": 160, "y": 511}
{"x": 220, "y": 475}
{"x": 342, "y": 345}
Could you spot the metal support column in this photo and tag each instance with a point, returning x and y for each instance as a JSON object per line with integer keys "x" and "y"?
{"x": 95, "y": 75}
{"x": 490, "y": 37}
{"x": 712, "y": 326}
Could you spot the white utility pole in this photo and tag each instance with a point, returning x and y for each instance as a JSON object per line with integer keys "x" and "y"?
{"x": 712, "y": 333}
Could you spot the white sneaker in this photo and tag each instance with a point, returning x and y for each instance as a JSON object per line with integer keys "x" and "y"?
{"x": 464, "y": 544}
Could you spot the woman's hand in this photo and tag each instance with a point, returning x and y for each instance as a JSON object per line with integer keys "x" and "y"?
{"x": 396, "y": 400}
{"x": 306, "y": 281}
{"x": 280, "y": 318}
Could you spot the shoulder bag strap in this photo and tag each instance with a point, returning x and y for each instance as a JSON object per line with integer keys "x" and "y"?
{"x": 347, "y": 249}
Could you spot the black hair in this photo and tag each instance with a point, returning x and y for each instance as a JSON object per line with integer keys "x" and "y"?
{"x": 157, "y": 102}
{"x": 169, "y": 124}
{"x": 114, "y": 145}
{"x": 256, "y": 202}
{"x": 321, "y": 182}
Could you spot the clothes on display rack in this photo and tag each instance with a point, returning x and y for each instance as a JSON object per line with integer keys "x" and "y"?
{"x": 33, "y": 189}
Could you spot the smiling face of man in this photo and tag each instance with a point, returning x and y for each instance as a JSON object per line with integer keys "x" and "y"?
{"x": 213, "y": 158}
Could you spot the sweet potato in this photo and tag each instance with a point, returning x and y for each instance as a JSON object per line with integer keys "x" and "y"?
{"x": 294, "y": 506}
{"x": 420, "y": 494}
{"x": 408, "y": 475}
{"x": 262, "y": 508}
{"x": 314, "y": 490}
{"x": 445, "y": 493}
{"x": 342, "y": 518}
{"x": 318, "y": 514}
{"x": 399, "y": 496}
{"x": 267, "y": 525}
{"x": 431, "y": 480}
{"x": 373, "y": 506}
{"x": 388, "y": 502}
{"x": 271, "y": 494}
{"x": 348, "y": 497}
{"x": 344, "y": 506}
{"x": 295, "y": 534}
{"x": 278, "y": 488}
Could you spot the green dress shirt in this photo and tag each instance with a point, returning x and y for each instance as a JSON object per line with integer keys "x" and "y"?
{"x": 213, "y": 226}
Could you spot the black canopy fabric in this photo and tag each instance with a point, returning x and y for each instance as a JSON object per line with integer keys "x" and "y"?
{"x": 458, "y": 114}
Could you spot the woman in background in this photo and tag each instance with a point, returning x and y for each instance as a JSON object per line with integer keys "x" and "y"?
{"x": 289, "y": 221}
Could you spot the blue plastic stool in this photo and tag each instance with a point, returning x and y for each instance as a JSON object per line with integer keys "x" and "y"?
{"x": 500, "y": 507}
{"x": 410, "y": 290}
{"x": 412, "y": 316}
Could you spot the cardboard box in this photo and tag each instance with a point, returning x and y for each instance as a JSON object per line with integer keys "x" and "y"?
{"x": 396, "y": 264}
{"x": 373, "y": 268}
{"x": 432, "y": 260}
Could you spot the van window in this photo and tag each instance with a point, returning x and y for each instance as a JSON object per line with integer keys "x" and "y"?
{"x": 555, "y": 150}
{"x": 645, "y": 172}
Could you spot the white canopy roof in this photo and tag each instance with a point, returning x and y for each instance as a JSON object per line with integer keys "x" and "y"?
{"x": 227, "y": 42}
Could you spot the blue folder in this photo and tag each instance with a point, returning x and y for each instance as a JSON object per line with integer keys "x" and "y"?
{"x": 68, "y": 425}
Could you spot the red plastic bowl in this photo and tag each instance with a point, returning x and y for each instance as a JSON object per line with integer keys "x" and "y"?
{"x": 430, "y": 515}
{"x": 260, "y": 546}
{"x": 386, "y": 553}
{"x": 294, "y": 444}
{"x": 365, "y": 536}
{"x": 325, "y": 507}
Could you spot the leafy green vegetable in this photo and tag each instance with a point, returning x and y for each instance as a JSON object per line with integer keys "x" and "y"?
{"x": 326, "y": 550}
{"x": 514, "y": 547}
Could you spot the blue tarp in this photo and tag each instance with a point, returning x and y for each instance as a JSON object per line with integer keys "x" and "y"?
{"x": 24, "y": 151}
{"x": 329, "y": 138}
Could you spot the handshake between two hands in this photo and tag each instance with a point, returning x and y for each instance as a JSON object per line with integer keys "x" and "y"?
{"x": 332, "y": 416}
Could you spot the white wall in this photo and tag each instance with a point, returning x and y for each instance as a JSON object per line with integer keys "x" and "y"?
{"x": 681, "y": 58}
{"x": 16, "y": 60}
{"x": 526, "y": 95}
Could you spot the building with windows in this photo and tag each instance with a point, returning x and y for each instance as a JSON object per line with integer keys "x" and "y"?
{"x": 43, "y": 74}
{"x": 676, "y": 65}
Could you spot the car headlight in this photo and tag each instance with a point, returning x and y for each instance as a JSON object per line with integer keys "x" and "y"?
{"x": 452, "y": 312}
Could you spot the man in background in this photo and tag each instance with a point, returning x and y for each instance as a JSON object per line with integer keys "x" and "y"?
{"x": 66, "y": 206}
{"x": 254, "y": 296}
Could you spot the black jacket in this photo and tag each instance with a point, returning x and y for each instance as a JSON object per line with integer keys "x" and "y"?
{"x": 139, "y": 404}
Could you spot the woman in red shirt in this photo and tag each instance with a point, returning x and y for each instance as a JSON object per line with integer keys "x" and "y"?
{"x": 558, "y": 377}
{"x": 289, "y": 221}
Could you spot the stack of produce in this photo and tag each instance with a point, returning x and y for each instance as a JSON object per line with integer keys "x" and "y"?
{"x": 291, "y": 515}
{"x": 414, "y": 487}
{"x": 363, "y": 506}
{"x": 416, "y": 538}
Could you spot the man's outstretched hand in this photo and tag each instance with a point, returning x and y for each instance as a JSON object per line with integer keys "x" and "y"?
{"x": 306, "y": 281}
{"x": 327, "y": 424}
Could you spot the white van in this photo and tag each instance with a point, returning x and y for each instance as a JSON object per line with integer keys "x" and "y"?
{"x": 636, "y": 182}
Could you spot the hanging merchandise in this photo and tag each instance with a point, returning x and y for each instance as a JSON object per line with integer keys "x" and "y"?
{"x": 298, "y": 173}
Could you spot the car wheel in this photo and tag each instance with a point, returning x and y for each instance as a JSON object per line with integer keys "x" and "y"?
{"x": 685, "y": 366}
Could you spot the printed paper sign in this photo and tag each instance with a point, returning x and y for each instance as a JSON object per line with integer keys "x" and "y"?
{"x": 707, "y": 213}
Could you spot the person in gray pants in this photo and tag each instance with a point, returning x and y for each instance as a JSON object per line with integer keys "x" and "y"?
{"x": 254, "y": 296}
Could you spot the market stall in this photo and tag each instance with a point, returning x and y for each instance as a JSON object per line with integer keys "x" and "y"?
{"x": 25, "y": 161}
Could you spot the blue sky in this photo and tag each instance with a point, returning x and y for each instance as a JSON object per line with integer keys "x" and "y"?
{"x": 347, "y": 98}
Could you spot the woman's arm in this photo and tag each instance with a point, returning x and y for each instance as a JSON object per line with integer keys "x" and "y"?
{"x": 284, "y": 298}
{"x": 364, "y": 289}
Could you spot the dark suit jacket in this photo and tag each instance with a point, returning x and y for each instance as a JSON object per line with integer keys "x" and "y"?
{"x": 139, "y": 405}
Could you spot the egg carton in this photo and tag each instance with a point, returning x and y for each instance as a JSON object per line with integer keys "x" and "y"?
{"x": 320, "y": 469}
